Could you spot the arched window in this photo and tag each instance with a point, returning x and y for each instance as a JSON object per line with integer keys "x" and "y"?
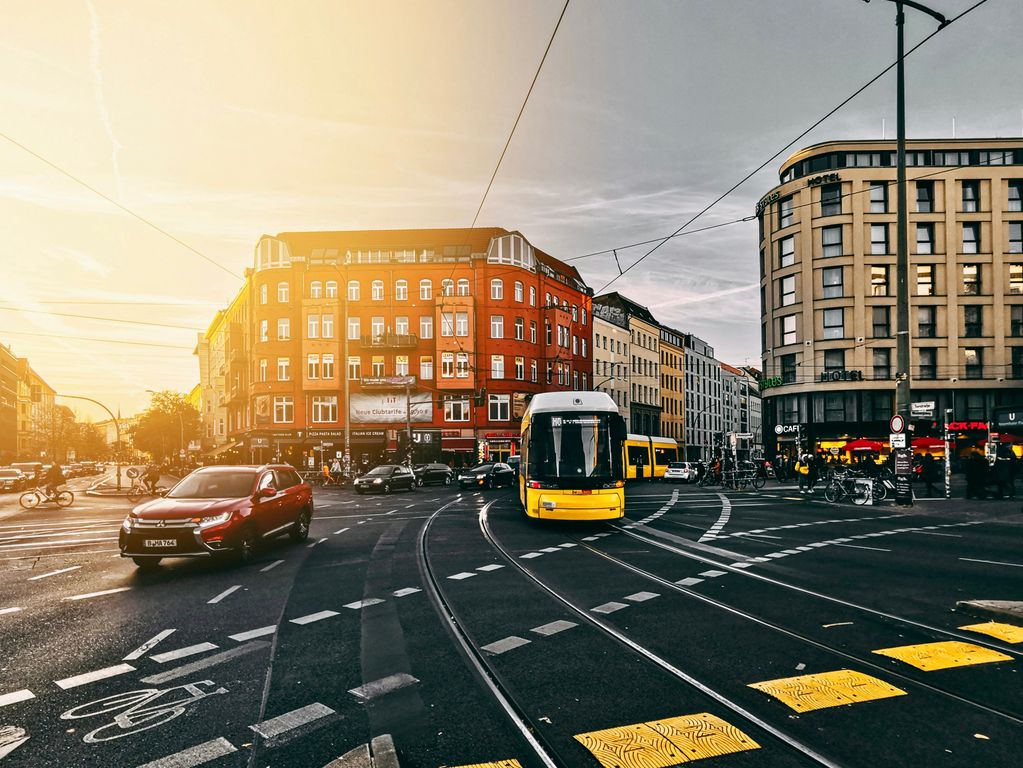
{"x": 378, "y": 290}
{"x": 332, "y": 289}
{"x": 463, "y": 287}
{"x": 315, "y": 289}
{"x": 518, "y": 291}
{"x": 401, "y": 290}
{"x": 447, "y": 287}
{"x": 353, "y": 290}
{"x": 425, "y": 289}
{"x": 497, "y": 289}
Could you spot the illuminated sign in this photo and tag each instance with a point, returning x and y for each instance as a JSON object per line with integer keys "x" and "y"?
{"x": 770, "y": 381}
{"x": 824, "y": 178}
{"x": 967, "y": 426}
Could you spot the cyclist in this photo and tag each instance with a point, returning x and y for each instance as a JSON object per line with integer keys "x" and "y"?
{"x": 151, "y": 477}
{"x": 54, "y": 479}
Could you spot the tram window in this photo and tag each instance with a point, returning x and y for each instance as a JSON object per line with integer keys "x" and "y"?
{"x": 663, "y": 455}
{"x": 575, "y": 446}
{"x": 638, "y": 454}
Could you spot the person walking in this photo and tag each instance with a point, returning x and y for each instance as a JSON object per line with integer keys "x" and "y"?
{"x": 929, "y": 474}
{"x": 803, "y": 468}
{"x": 975, "y": 470}
{"x": 1004, "y": 460}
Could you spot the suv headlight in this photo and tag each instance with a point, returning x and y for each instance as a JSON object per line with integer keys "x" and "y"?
{"x": 211, "y": 520}
{"x": 377, "y": 481}
{"x": 127, "y": 523}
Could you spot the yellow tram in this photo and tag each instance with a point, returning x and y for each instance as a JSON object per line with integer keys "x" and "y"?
{"x": 573, "y": 447}
{"x": 648, "y": 457}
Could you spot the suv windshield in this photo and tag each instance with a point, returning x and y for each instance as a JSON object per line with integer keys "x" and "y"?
{"x": 214, "y": 485}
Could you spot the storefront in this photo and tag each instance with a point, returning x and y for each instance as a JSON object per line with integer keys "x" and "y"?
{"x": 498, "y": 446}
{"x": 458, "y": 448}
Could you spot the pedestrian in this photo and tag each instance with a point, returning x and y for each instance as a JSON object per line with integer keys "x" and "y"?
{"x": 929, "y": 474}
{"x": 976, "y": 475}
{"x": 335, "y": 471}
{"x": 1004, "y": 460}
{"x": 803, "y": 467}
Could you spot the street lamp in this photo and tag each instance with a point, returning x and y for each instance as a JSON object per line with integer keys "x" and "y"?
{"x": 117, "y": 432}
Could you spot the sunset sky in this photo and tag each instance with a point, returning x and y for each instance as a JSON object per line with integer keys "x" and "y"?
{"x": 222, "y": 121}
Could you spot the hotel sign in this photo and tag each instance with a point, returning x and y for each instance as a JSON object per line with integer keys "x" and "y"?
{"x": 765, "y": 201}
{"x": 824, "y": 178}
{"x": 843, "y": 375}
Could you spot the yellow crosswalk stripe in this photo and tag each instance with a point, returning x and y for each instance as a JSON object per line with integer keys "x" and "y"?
{"x": 498, "y": 764}
{"x": 932, "y": 656}
{"x": 1009, "y": 633}
{"x": 827, "y": 689}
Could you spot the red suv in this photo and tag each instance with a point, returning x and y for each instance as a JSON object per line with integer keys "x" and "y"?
{"x": 219, "y": 512}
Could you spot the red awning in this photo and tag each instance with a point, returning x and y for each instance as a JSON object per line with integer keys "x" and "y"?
{"x": 928, "y": 442}
{"x": 457, "y": 444}
{"x": 862, "y": 445}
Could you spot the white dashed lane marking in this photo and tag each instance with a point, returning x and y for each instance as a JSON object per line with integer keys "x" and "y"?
{"x": 276, "y": 727}
{"x": 193, "y": 756}
{"x": 383, "y": 686}
{"x": 462, "y": 575}
{"x": 314, "y": 617}
{"x": 491, "y": 567}
{"x": 505, "y": 645}
{"x": 312, "y": 544}
{"x": 527, "y": 556}
{"x": 991, "y": 562}
{"x": 55, "y": 573}
{"x": 181, "y": 653}
{"x": 8, "y": 610}
{"x": 609, "y": 607}
{"x": 713, "y": 574}
{"x": 253, "y": 633}
{"x": 641, "y": 597}
{"x": 341, "y": 531}
{"x": 147, "y": 646}
{"x": 404, "y": 592}
{"x": 690, "y": 582}
{"x": 225, "y": 593}
{"x": 272, "y": 565}
{"x": 98, "y": 594}
{"x": 15, "y": 697}
{"x": 553, "y": 627}
{"x": 91, "y": 677}
{"x": 364, "y": 603}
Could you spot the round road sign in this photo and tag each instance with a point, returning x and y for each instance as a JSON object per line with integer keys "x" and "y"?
{"x": 897, "y": 423}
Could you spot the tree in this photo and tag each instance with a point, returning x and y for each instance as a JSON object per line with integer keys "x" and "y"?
{"x": 166, "y": 426}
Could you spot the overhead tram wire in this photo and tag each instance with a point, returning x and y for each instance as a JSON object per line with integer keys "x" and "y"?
{"x": 103, "y": 319}
{"x": 116, "y": 204}
{"x": 773, "y": 157}
{"x": 90, "y": 338}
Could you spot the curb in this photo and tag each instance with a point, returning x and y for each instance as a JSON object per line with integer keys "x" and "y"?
{"x": 1012, "y": 609}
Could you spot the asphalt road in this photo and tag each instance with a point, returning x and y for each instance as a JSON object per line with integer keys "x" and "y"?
{"x": 471, "y": 636}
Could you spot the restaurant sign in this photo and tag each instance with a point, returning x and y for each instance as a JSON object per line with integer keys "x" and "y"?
{"x": 391, "y": 409}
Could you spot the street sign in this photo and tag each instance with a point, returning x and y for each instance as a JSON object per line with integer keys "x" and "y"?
{"x": 897, "y": 439}
{"x": 181, "y": 453}
{"x": 745, "y": 435}
{"x": 327, "y": 445}
{"x": 897, "y": 423}
{"x": 924, "y": 410}
{"x": 834, "y": 450}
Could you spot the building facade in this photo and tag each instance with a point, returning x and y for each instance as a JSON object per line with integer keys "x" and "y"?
{"x": 740, "y": 412}
{"x": 611, "y": 367}
{"x": 672, "y": 350}
{"x": 827, "y": 253}
{"x": 8, "y": 405}
{"x": 702, "y": 410}
{"x": 35, "y": 413}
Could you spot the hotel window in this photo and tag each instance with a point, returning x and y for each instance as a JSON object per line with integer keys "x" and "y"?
{"x": 928, "y": 363}
{"x": 425, "y": 289}
{"x": 262, "y": 294}
{"x": 1015, "y": 237}
{"x": 461, "y": 324}
{"x": 532, "y": 296}
{"x": 786, "y": 212}
{"x": 882, "y": 364}
{"x": 997, "y": 157}
{"x": 328, "y": 366}
{"x": 786, "y": 295}
{"x": 377, "y": 290}
{"x": 925, "y": 238}
{"x": 426, "y": 327}
{"x": 549, "y": 336}
{"x": 313, "y": 327}
{"x": 283, "y": 369}
{"x": 532, "y": 331}
{"x": 377, "y": 366}
{"x": 881, "y": 322}
{"x": 879, "y": 197}
{"x": 971, "y": 196}
{"x": 284, "y": 409}
{"x": 456, "y": 410}
{"x": 354, "y": 368}
{"x": 575, "y": 344}
{"x": 401, "y": 290}
{"x": 1015, "y": 199}
{"x": 1016, "y": 320}
{"x": 879, "y": 281}
{"x": 971, "y": 280}
{"x": 497, "y": 326}
{"x": 971, "y": 237}
{"x": 401, "y": 325}
{"x": 463, "y": 286}
{"x": 1016, "y": 279}
{"x": 262, "y": 369}
{"x": 496, "y": 289}
{"x": 879, "y": 239}
{"x": 973, "y": 321}
{"x": 831, "y": 241}
{"x": 283, "y": 329}
{"x": 447, "y": 365}
{"x": 353, "y": 290}
{"x": 834, "y": 323}
{"x": 787, "y": 251}
{"x": 925, "y": 280}
{"x": 831, "y": 199}
{"x": 520, "y": 329}
{"x": 324, "y": 409}
{"x": 832, "y": 279}
{"x": 282, "y": 293}
{"x": 353, "y": 328}
{"x": 834, "y": 406}
{"x": 313, "y": 367}
{"x": 331, "y": 289}
{"x": 925, "y": 197}
{"x": 926, "y": 322}
{"x": 788, "y": 329}
{"x": 583, "y": 349}
{"x": 401, "y": 365}
{"x": 376, "y": 326}
{"x": 264, "y": 330}
{"x": 518, "y": 291}
{"x": 499, "y": 407}
{"x": 426, "y": 367}
{"x": 520, "y": 368}
{"x": 834, "y": 360}
{"x": 532, "y": 371}
{"x": 462, "y": 365}
{"x": 1017, "y": 362}
{"x": 447, "y": 287}
{"x": 973, "y": 362}
{"x": 788, "y": 369}
{"x": 315, "y": 289}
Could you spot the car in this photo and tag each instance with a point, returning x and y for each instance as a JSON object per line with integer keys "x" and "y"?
{"x": 221, "y": 512}
{"x": 33, "y": 471}
{"x": 386, "y": 478}
{"x": 677, "y": 472}
{"x": 433, "y": 474}
{"x": 515, "y": 462}
{"x": 487, "y": 476}
{"x": 12, "y": 479}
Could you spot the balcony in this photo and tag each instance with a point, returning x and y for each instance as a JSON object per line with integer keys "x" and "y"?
{"x": 390, "y": 341}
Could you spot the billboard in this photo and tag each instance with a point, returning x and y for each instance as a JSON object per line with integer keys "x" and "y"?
{"x": 390, "y": 408}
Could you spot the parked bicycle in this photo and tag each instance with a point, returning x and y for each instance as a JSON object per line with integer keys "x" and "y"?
{"x": 35, "y": 497}
{"x": 848, "y": 485}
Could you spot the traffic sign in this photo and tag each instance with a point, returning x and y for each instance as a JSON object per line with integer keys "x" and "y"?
{"x": 897, "y": 423}
{"x": 745, "y": 435}
{"x": 897, "y": 439}
{"x": 923, "y": 410}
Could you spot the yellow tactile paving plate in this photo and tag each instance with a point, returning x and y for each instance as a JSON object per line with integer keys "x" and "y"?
{"x": 1009, "y": 633}
{"x": 498, "y": 764}
{"x": 932, "y": 656}
{"x": 662, "y": 743}
{"x": 827, "y": 689}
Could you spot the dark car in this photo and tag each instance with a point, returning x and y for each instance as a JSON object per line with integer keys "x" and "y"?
{"x": 487, "y": 476}
{"x": 434, "y": 474}
{"x": 386, "y": 478}
{"x": 12, "y": 479}
{"x": 32, "y": 470}
{"x": 515, "y": 463}
{"x": 222, "y": 511}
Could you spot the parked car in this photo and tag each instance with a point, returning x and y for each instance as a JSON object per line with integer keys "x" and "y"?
{"x": 514, "y": 462}
{"x": 223, "y": 511}
{"x": 12, "y": 479}
{"x": 487, "y": 476}
{"x": 386, "y": 478}
{"x": 678, "y": 472}
{"x": 33, "y": 471}
{"x": 433, "y": 474}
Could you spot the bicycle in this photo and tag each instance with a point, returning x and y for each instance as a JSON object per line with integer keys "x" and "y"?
{"x": 35, "y": 497}
{"x": 139, "y": 489}
{"x": 843, "y": 485}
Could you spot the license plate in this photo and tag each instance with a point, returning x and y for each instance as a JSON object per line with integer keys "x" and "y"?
{"x": 161, "y": 542}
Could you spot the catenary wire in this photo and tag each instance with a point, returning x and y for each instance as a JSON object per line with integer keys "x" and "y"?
{"x": 104, "y": 341}
{"x": 103, "y": 319}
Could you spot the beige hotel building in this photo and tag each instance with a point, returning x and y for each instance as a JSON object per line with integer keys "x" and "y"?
{"x": 827, "y": 267}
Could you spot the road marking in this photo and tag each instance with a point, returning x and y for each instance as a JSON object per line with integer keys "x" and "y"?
{"x": 8, "y": 610}
{"x": 383, "y": 686}
{"x": 553, "y": 627}
{"x": 567, "y": 545}
{"x": 314, "y": 617}
{"x": 967, "y": 559}
{"x": 91, "y": 677}
{"x": 690, "y": 582}
{"x": 1009, "y": 633}
{"x": 548, "y": 550}
{"x": 98, "y": 594}
{"x": 942, "y": 655}
{"x": 193, "y": 756}
{"x": 641, "y": 597}
{"x": 408, "y": 506}
{"x": 147, "y": 646}
{"x": 462, "y": 575}
{"x": 341, "y": 531}
{"x": 405, "y": 591}
{"x": 364, "y": 603}
{"x": 54, "y": 573}
{"x": 312, "y": 544}
{"x": 224, "y": 594}
{"x": 713, "y": 574}
{"x": 11, "y": 737}
{"x": 273, "y": 565}
{"x": 505, "y": 645}
{"x": 52, "y": 544}
{"x": 276, "y": 727}
{"x": 491, "y": 567}
{"x": 13, "y": 698}
{"x": 935, "y": 533}
{"x": 254, "y": 633}
{"x": 860, "y": 546}
{"x": 181, "y": 653}
{"x": 827, "y": 689}
{"x": 530, "y": 555}
{"x": 722, "y": 521}
{"x": 209, "y": 661}
{"x": 589, "y": 538}
{"x": 609, "y": 607}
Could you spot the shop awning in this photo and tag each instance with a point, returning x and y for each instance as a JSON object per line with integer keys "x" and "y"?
{"x": 862, "y": 445}
{"x": 928, "y": 442}
{"x": 222, "y": 449}
{"x": 457, "y": 444}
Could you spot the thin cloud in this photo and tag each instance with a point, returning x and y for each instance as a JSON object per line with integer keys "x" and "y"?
{"x": 95, "y": 48}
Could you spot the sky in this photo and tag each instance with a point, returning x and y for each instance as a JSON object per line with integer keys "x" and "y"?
{"x": 222, "y": 121}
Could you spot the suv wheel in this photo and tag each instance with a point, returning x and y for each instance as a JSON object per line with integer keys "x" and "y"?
{"x": 246, "y": 550}
{"x": 300, "y": 531}
{"x": 447, "y": 479}
{"x": 387, "y": 487}
{"x": 420, "y": 482}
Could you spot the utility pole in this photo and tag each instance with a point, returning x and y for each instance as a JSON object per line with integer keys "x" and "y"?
{"x": 408, "y": 423}
{"x": 948, "y": 453}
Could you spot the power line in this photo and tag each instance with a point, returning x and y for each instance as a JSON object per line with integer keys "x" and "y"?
{"x": 104, "y": 319}
{"x": 89, "y": 338}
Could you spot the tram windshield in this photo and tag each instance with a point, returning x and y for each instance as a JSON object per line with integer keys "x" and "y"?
{"x": 575, "y": 446}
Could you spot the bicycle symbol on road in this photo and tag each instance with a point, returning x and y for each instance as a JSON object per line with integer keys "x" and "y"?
{"x": 140, "y": 710}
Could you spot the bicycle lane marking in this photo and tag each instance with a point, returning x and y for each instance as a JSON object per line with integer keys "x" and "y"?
{"x": 193, "y": 756}
{"x": 722, "y": 521}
